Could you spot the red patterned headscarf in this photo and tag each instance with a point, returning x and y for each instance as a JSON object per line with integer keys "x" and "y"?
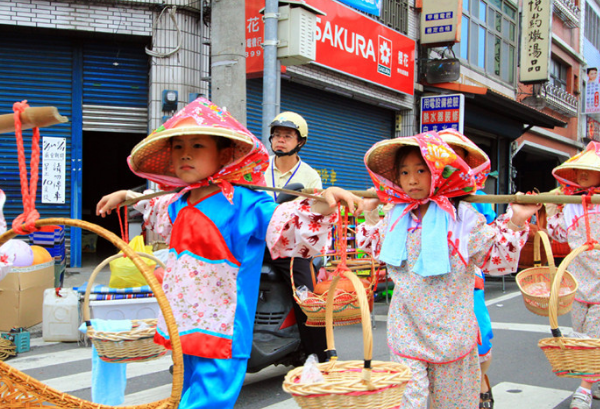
{"x": 477, "y": 159}
{"x": 151, "y": 158}
{"x": 450, "y": 175}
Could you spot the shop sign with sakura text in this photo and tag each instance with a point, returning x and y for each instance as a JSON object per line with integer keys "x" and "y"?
{"x": 348, "y": 42}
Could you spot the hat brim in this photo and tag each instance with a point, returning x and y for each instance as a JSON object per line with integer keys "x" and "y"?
{"x": 380, "y": 158}
{"x": 476, "y": 156}
{"x": 567, "y": 171}
{"x": 153, "y": 154}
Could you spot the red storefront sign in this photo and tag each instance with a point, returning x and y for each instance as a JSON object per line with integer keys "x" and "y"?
{"x": 348, "y": 42}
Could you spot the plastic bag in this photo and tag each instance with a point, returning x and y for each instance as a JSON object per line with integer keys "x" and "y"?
{"x": 123, "y": 273}
{"x": 310, "y": 371}
{"x": 302, "y": 292}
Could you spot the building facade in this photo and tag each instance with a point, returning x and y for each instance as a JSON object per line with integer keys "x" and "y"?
{"x": 105, "y": 65}
{"x": 118, "y": 68}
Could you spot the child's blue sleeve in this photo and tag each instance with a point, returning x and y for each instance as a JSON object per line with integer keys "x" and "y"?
{"x": 256, "y": 211}
{"x": 485, "y": 209}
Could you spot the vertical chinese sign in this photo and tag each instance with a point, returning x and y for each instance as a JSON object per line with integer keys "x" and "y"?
{"x": 592, "y": 129}
{"x": 442, "y": 112}
{"x": 53, "y": 170}
{"x": 592, "y": 92}
{"x": 254, "y": 37}
{"x": 440, "y": 22}
{"x": 536, "y": 40}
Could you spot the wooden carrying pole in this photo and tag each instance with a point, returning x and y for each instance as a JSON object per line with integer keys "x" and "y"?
{"x": 39, "y": 117}
{"x": 521, "y": 198}
{"x": 310, "y": 193}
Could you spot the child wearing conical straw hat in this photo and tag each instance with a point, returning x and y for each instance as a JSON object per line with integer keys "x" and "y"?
{"x": 217, "y": 233}
{"x": 431, "y": 242}
{"x": 580, "y": 175}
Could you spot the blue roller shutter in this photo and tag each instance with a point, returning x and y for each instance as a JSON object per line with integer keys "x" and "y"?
{"x": 84, "y": 79}
{"x": 115, "y": 88}
{"x": 340, "y": 130}
{"x": 38, "y": 70}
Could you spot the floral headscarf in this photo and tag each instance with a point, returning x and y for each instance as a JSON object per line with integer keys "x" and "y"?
{"x": 151, "y": 158}
{"x": 477, "y": 159}
{"x": 450, "y": 175}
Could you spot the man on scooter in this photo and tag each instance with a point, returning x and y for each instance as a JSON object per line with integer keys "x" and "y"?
{"x": 289, "y": 133}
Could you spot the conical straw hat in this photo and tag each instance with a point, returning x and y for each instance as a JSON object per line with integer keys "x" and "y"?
{"x": 451, "y": 176}
{"x": 151, "y": 158}
{"x": 477, "y": 159}
{"x": 588, "y": 159}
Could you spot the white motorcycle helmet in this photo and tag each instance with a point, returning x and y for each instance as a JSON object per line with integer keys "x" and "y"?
{"x": 293, "y": 121}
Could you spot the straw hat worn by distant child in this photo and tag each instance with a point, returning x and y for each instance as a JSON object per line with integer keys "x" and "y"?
{"x": 477, "y": 159}
{"x": 151, "y": 158}
{"x": 566, "y": 174}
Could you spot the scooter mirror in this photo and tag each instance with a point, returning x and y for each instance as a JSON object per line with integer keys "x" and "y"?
{"x": 287, "y": 197}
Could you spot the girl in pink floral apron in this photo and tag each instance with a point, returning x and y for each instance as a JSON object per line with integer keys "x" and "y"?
{"x": 217, "y": 234}
{"x": 578, "y": 225}
{"x": 430, "y": 246}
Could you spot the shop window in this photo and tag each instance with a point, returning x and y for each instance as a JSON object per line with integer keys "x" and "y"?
{"x": 592, "y": 26}
{"x": 488, "y": 37}
{"x": 558, "y": 74}
{"x": 394, "y": 14}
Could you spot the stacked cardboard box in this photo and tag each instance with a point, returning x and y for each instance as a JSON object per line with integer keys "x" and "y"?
{"x": 22, "y": 295}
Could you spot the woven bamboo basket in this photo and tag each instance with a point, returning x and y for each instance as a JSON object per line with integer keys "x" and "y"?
{"x": 570, "y": 357}
{"x": 350, "y": 384}
{"x": 544, "y": 276}
{"x": 345, "y": 306}
{"x": 18, "y": 390}
{"x": 7, "y": 349}
{"x": 136, "y": 345}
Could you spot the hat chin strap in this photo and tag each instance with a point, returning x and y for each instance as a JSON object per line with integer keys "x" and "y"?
{"x": 290, "y": 153}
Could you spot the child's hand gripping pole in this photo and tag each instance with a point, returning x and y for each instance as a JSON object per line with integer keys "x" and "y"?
{"x": 334, "y": 195}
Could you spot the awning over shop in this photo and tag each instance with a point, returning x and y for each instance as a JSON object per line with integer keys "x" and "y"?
{"x": 489, "y": 110}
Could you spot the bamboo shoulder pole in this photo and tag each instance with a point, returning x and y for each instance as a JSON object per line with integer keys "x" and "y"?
{"x": 521, "y": 199}
{"x": 310, "y": 193}
{"x": 39, "y": 117}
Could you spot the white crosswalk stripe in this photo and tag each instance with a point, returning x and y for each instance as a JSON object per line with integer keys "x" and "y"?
{"x": 82, "y": 380}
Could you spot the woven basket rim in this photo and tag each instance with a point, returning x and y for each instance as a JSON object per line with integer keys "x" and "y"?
{"x": 22, "y": 387}
{"x": 363, "y": 379}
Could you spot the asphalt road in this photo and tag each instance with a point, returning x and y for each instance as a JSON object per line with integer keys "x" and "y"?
{"x": 520, "y": 375}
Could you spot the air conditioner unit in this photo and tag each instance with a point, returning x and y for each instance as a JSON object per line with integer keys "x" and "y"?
{"x": 296, "y": 32}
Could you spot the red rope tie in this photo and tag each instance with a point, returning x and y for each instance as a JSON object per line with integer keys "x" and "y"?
{"x": 586, "y": 201}
{"x": 123, "y": 225}
{"x": 28, "y": 189}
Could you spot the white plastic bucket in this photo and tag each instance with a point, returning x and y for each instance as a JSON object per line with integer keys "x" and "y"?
{"x": 61, "y": 316}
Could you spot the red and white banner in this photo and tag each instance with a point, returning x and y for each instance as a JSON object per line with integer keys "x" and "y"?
{"x": 348, "y": 42}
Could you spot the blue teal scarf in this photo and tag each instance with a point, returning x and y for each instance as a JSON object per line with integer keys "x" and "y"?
{"x": 433, "y": 258}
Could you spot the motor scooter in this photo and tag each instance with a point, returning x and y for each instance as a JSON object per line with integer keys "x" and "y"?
{"x": 276, "y": 338}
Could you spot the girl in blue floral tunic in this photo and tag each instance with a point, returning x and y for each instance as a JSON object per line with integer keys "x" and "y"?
{"x": 217, "y": 233}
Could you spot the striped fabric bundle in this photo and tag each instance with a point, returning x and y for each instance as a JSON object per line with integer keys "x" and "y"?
{"x": 105, "y": 297}
{"x": 104, "y": 289}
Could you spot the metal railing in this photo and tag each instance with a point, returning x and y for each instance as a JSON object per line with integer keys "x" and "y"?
{"x": 560, "y": 100}
{"x": 568, "y": 12}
